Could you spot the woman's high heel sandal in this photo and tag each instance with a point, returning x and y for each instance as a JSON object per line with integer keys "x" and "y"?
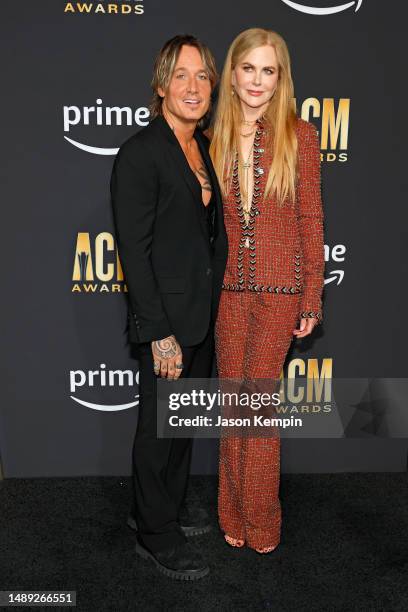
{"x": 237, "y": 542}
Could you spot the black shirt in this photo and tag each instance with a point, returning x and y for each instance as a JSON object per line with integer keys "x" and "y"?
{"x": 208, "y": 212}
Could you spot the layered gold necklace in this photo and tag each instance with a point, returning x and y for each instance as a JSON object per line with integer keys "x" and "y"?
{"x": 246, "y": 166}
{"x": 251, "y": 123}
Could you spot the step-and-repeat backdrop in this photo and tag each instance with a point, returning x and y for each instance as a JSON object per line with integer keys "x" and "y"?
{"x": 76, "y": 84}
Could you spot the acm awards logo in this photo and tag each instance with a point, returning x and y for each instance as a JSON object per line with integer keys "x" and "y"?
{"x": 327, "y": 10}
{"x": 334, "y": 125}
{"x": 105, "y": 7}
{"x": 97, "y": 268}
{"x": 84, "y": 385}
{"x": 306, "y": 386}
{"x": 332, "y": 117}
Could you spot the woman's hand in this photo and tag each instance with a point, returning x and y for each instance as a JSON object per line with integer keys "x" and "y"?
{"x": 305, "y": 328}
{"x": 167, "y": 358}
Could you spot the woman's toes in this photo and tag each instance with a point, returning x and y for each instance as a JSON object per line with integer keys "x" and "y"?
{"x": 234, "y": 541}
{"x": 267, "y": 549}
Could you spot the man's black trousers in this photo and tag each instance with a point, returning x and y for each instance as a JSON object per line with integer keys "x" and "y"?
{"x": 161, "y": 466}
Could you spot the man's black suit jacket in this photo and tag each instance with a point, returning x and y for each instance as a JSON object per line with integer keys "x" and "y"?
{"x": 173, "y": 275}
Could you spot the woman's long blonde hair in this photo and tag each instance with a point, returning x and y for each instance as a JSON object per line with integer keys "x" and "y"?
{"x": 280, "y": 118}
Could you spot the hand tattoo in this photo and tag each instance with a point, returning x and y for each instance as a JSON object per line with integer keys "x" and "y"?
{"x": 166, "y": 348}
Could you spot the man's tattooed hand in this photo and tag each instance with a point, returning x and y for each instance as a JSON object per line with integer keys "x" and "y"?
{"x": 166, "y": 348}
{"x": 166, "y": 355}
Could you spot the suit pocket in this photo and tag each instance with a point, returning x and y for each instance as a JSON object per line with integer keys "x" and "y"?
{"x": 171, "y": 284}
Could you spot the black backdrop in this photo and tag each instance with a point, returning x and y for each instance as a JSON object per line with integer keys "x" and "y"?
{"x": 63, "y": 307}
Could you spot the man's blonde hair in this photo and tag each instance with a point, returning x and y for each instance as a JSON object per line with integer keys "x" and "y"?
{"x": 164, "y": 68}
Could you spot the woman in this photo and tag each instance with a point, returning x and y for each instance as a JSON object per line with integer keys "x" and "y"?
{"x": 268, "y": 165}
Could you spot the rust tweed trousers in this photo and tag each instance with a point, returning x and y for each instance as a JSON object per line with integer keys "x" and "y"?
{"x": 252, "y": 335}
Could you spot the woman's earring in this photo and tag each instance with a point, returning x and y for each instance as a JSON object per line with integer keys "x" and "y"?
{"x": 232, "y": 92}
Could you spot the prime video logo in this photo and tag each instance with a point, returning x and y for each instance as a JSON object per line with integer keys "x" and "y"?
{"x": 100, "y": 115}
{"x": 328, "y": 10}
{"x": 80, "y": 380}
{"x": 337, "y": 254}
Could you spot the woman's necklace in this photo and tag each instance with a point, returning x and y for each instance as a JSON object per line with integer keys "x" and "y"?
{"x": 248, "y": 134}
{"x": 251, "y": 123}
{"x": 247, "y": 204}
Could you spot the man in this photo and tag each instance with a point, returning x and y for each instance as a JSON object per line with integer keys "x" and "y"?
{"x": 173, "y": 247}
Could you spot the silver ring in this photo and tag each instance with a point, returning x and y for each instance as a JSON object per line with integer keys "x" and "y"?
{"x": 179, "y": 366}
{"x": 156, "y": 366}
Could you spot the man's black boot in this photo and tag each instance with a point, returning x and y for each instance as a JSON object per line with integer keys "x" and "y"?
{"x": 182, "y": 562}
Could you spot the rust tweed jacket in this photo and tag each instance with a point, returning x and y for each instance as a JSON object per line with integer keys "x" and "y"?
{"x": 284, "y": 243}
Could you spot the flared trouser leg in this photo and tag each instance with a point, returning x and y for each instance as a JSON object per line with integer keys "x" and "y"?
{"x": 253, "y": 334}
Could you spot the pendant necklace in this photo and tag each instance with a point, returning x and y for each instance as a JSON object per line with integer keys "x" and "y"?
{"x": 247, "y": 205}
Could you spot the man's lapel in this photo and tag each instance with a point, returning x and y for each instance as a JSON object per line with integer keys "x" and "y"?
{"x": 180, "y": 159}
